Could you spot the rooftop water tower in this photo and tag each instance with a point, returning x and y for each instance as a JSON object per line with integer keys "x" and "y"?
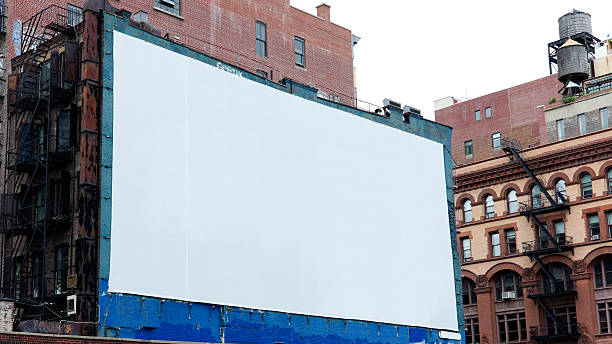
{"x": 571, "y": 52}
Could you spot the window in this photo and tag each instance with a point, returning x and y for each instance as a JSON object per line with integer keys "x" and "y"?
{"x": 469, "y": 295}
{"x": 496, "y": 141}
{"x": 467, "y": 211}
{"x": 511, "y": 327}
{"x": 472, "y": 331}
{"x": 74, "y": 15}
{"x": 586, "y": 187}
{"x": 511, "y": 241}
{"x": 18, "y": 273}
{"x": 37, "y": 274}
{"x": 489, "y": 207}
{"x": 507, "y": 282}
{"x": 477, "y": 115}
{"x": 543, "y": 236}
{"x": 561, "y": 129}
{"x": 560, "y": 232}
{"x": 61, "y": 269}
{"x": 488, "y": 112}
{"x": 602, "y": 270}
{"x": 609, "y": 180}
{"x": 512, "y": 202}
{"x": 260, "y": 39}
{"x": 594, "y": 226}
{"x": 609, "y": 218}
{"x": 582, "y": 124}
{"x": 172, "y": 6}
{"x": 469, "y": 149}
{"x": 495, "y": 245}
{"x": 536, "y": 197}
{"x": 561, "y": 279}
{"x": 467, "y": 250}
{"x": 604, "y": 310}
{"x": 566, "y": 323}
{"x": 63, "y": 132}
{"x": 40, "y": 204}
{"x": 561, "y": 191}
{"x": 300, "y": 52}
{"x": 603, "y": 113}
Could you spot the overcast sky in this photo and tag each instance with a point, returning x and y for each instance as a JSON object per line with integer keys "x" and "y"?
{"x": 416, "y": 52}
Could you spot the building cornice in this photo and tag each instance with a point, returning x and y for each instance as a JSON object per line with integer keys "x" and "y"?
{"x": 553, "y": 161}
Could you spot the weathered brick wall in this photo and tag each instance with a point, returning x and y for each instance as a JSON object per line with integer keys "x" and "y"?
{"x": 226, "y": 29}
{"x": 23, "y": 338}
{"x": 516, "y": 113}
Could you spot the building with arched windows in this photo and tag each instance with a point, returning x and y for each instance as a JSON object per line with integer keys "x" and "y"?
{"x": 535, "y": 241}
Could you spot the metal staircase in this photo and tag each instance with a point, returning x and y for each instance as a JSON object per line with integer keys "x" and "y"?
{"x": 545, "y": 244}
{"x": 28, "y": 213}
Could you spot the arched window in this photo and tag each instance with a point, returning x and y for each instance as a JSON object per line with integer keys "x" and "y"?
{"x": 560, "y": 282}
{"x": 561, "y": 191}
{"x": 469, "y": 295}
{"x": 536, "y": 197}
{"x": 586, "y": 188}
{"x": 508, "y": 286}
{"x": 489, "y": 207}
{"x": 512, "y": 202}
{"x": 609, "y": 180}
{"x": 467, "y": 211}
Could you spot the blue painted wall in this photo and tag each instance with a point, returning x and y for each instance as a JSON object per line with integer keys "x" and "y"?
{"x": 135, "y": 316}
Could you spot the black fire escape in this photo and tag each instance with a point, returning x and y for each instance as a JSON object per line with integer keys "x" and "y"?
{"x": 550, "y": 287}
{"x": 38, "y": 144}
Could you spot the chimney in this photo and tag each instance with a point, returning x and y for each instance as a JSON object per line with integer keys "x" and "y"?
{"x": 323, "y": 11}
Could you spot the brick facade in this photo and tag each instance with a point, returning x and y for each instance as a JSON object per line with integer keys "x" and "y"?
{"x": 21, "y": 338}
{"x": 567, "y": 160}
{"x": 226, "y": 30}
{"x": 516, "y": 112}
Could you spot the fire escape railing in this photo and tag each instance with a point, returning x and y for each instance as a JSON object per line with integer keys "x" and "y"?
{"x": 29, "y": 213}
{"x": 546, "y": 243}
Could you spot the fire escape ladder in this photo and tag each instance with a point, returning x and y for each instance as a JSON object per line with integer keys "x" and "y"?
{"x": 544, "y": 268}
{"x": 548, "y": 312}
{"x": 543, "y": 230}
{"x": 510, "y": 150}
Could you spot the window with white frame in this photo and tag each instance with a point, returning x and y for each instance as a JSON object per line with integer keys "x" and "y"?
{"x": 603, "y": 114}
{"x": 467, "y": 211}
{"x": 489, "y": 207}
{"x": 467, "y": 249}
{"x": 172, "y": 6}
{"x": 560, "y": 129}
{"x": 495, "y": 245}
{"x": 512, "y": 202}
{"x": 582, "y": 129}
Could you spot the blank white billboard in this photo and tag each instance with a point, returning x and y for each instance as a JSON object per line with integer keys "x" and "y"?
{"x": 230, "y": 192}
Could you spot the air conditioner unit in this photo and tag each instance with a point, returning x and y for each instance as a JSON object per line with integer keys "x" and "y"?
{"x": 507, "y": 295}
{"x": 594, "y": 237}
{"x": 71, "y": 304}
{"x": 167, "y": 2}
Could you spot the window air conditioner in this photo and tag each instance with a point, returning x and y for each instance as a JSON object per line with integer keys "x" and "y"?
{"x": 71, "y": 304}
{"x": 167, "y": 2}
{"x": 507, "y": 295}
{"x": 594, "y": 237}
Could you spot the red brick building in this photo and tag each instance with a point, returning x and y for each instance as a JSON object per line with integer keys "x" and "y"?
{"x": 516, "y": 112}
{"x": 293, "y": 44}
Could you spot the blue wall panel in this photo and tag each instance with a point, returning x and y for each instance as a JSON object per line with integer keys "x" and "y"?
{"x": 134, "y": 316}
